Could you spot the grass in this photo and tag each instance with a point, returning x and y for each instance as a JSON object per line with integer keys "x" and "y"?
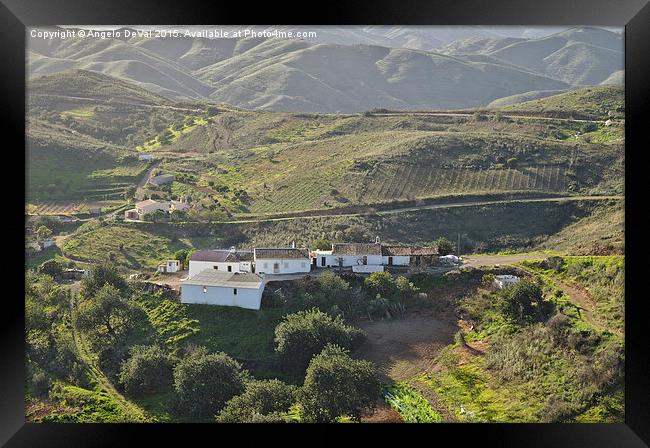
{"x": 154, "y": 143}
{"x": 409, "y": 404}
{"x": 603, "y": 277}
{"x": 122, "y": 246}
{"x": 245, "y": 334}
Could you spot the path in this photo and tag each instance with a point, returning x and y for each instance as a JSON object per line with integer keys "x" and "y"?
{"x": 131, "y": 410}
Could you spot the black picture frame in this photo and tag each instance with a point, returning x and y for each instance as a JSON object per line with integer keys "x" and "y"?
{"x": 16, "y": 15}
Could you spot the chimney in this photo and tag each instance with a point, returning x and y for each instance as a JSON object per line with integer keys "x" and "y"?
{"x": 232, "y": 249}
{"x": 293, "y": 244}
{"x": 377, "y": 240}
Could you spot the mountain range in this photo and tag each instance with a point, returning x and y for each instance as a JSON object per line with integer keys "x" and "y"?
{"x": 348, "y": 69}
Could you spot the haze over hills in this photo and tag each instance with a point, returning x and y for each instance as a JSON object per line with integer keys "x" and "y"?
{"x": 347, "y": 69}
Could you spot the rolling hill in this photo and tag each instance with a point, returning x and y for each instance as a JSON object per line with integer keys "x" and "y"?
{"x": 345, "y": 70}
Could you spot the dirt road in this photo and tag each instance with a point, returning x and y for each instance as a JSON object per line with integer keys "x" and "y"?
{"x": 477, "y": 261}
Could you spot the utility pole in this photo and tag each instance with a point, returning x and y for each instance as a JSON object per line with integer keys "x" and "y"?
{"x": 458, "y": 247}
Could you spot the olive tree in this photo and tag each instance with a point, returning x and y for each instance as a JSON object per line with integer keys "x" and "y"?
{"x": 337, "y": 385}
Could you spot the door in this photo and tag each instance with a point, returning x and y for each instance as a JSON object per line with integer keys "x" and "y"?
{"x": 276, "y": 268}
{"x": 322, "y": 261}
{"x": 390, "y": 261}
{"x": 365, "y": 260}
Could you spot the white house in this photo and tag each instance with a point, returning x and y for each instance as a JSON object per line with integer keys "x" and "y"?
{"x": 213, "y": 287}
{"x": 145, "y": 207}
{"x": 169, "y": 266}
{"x": 47, "y": 242}
{"x": 288, "y": 260}
{"x": 145, "y": 157}
{"x": 179, "y": 206}
{"x": 449, "y": 259}
{"x": 502, "y": 281}
{"x": 228, "y": 260}
{"x": 349, "y": 254}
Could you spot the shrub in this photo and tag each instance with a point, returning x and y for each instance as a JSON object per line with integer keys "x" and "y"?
{"x": 260, "y": 399}
{"x": 337, "y": 385}
{"x": 204, "y": 382}
{"x": 524, "y": 302}
{"x": 147, "y": 370}
{"x": 445, "y": 247}
{"x": 102, "y": 275}
{"x": 50, "y": 267}
{"x": 302, "y": 335}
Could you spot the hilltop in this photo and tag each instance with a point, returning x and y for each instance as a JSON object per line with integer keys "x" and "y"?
{"x": 346, "y": 72}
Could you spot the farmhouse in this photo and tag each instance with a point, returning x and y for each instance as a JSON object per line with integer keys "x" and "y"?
{"x": 213, "y": 287}
{"x": 502, "y": 281}
{"x": 144, "y": 207}
{"x": 288, "y": 260}
{"x": 161, "y": 179}
{"x": 226, "y": 260}
{"x": 169, "y": 266}
{"x": 179, "y": 206}
{"x": 408, "y": 255}
{"x": 372, "y": 254}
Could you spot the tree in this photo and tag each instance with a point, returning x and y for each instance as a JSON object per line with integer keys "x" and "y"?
{"x": 524, "y": 301}
{"x": 102, "y": 275}
{"x": 337, "y": 385}
{"x": 148, "y": 369}
{"x": 261, "y": 398}
{"x": 334, "y": 290}
{"x": 182, "y": 255}
{"x": 204, "y": 382}
{"x": 381, "y": 283}
{"x": 445, "y": 247}
{"x": 106, "y": 312}
{"x": 405, "y": 288}
{"x": 303, "y": 334}
{"x": 43, "y": 233}
{"x": 322, "y": 244}
{"x": 50, "y": 267}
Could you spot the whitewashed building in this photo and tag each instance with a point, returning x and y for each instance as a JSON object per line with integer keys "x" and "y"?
{"x": 502, "y": 281}
{"x": 145, "y": 157}
{"x": 145, "y": 207}
{"x": 169, "y": 266}
{"x": 214, "y": 287}
{"x": 225, "y": 260}
{"x": 372, "y": 254}
{"x": 289, "y": 260}
{"x": 161, "y": 179}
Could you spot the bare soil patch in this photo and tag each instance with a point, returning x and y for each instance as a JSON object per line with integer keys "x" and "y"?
{"x": 404, "y": 348}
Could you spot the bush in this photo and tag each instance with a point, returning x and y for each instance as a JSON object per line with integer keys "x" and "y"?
{"x": 50, "y": 267}
{"x": 302, "y": 335}
{"x": 260, "y": 399}
{"x": 445, "y": 247}
{"x": 337, "y": 385}
{"x": 147, "y": 370}
{"x": 524, "y": 302}
{"x": 204, "y": 382}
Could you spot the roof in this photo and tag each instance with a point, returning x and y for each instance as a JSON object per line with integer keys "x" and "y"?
{"x": 281, "y": 253}
{"x": 222, "y": 255}
{"x": 408, "y": 250}
{"x": 356, "y": 249}
{"x": 145, "y": 203}
{"x": 212, "y": 277}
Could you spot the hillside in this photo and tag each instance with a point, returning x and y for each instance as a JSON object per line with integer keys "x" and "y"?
{"x": 241, "y": 163}
{"x": 345, "y": 70}
{"x": 602, "y": 102}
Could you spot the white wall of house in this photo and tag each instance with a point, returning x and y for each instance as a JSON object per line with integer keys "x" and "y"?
{"x": 398, "y": 260}
{"x": 332, "y": 260}
{"x": 238, "y": 266}
{"x": 281, "y": 266}
{"x": 250, "y": 298}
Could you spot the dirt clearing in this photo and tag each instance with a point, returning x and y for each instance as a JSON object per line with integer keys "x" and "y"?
{"x": 404, "y": 348}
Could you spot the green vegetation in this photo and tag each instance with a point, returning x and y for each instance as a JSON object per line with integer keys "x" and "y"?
{"x": 409, "y": 404}
{"x": 337, "y": 385}
{"x": 270, "y": 399}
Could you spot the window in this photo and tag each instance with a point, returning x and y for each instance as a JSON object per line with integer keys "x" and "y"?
{"x": 230, "y": 270}
{"x": 365, "y": 259}
{"x": 234, "y": 291}
{"x": 205, "y": 289}
{"x": 216, "y": 267}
